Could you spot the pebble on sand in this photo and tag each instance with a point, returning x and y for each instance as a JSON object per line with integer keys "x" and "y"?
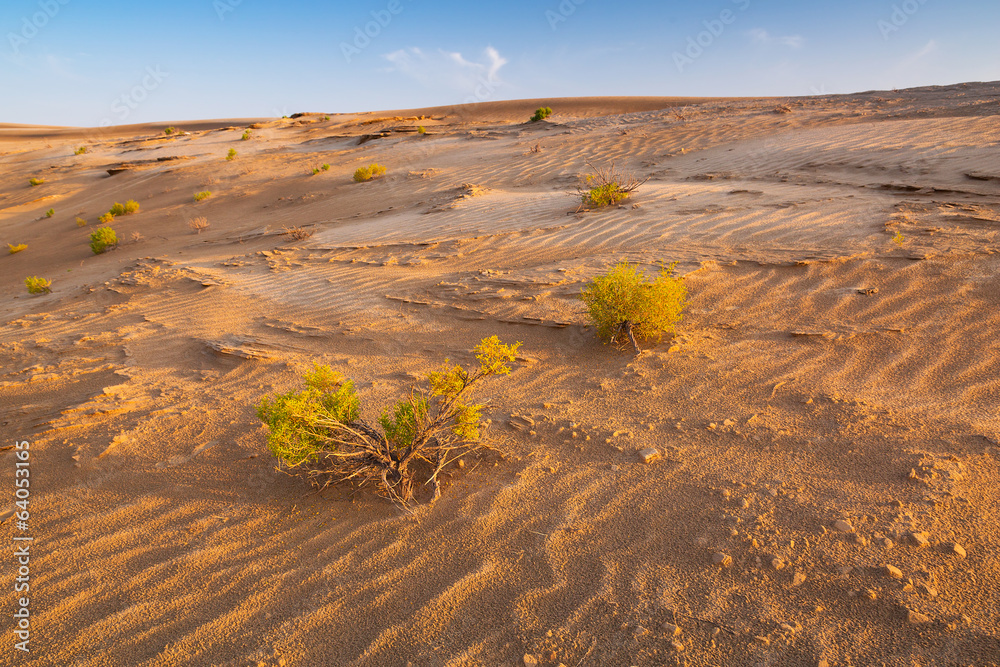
{"x": 893, "y": 572}
{"x": 649, "y": 454}
{"x": 916, "y": 618}
{"x": 843, "y": 526}
{"x": 530, "y": 660}
{"x": 671, "y": 629}
{"x": 958, "y": 550}
{"x": 919, "y": 539}
{"x": 725, "y": 560}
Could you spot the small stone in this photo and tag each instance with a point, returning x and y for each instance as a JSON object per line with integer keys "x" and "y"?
{"x": 649, "y": 454}
{"x": 823, "y": 663}
{"x": 788, "y": 628}
{"x": 927, "y": 590}
{"x": 887, "y": 543}
{"x": 843, "y": 526}
{"x": 763, "y": 640}
{"x": 677, "y": 646}
{"x": 919, "y": 539}
{"x": 916, "y": 618}
{"x": 725, "y": 560}
{"x": 871, "y": 594}
{"x": 863, "y": 541}
{"x": 530, "y": 660}
{"x": 729, "y": 422}
{"x": 798, "y": 578}
{"x": 671, "y": 629}
{"x": 777, "y": 563}
{"x": 896, "y": 503}
{"x": 893, "y": 572}
{"x": 958, "y": 550}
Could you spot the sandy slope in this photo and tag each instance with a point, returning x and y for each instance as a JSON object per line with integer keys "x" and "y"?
{"x": 822, "y": 372}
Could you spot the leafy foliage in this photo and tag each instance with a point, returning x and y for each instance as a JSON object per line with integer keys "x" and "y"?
{"x": 231, "y": 155}
{"x": 373, "y": 170}
{"x": 541, "y": 113}
{"x": 49, "y": 213}
{"x": 80, "y": 151}
{"x": 80, "y": 222}
{"x": 106, "y": 219}
{"x": 17, "y": 248}
{"x": 36, "y": 181}
{"x": 103, "y": 239}
{"x": 246, "y": 135}
{"x": 608, "y": 186}
{"x": 199, "y": 196}
{"x": 170, "y": 130}
{"x": 318, "y": 429}
{"x": 624, "y": 304}
{"x": 37, "y": 285}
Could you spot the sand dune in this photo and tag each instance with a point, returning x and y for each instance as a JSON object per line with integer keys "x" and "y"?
{"x": 822, "y": 372}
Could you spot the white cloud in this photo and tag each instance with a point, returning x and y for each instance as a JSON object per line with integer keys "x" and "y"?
{"x": 448, "y": 70}
{"x": 761, "y": 36}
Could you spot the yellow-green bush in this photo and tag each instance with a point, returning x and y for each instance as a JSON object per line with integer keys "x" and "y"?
{"x": 17, "y": 248}
{"x": 103, "y": 239}
{"x": 37, "y": 285}
{"x": 369, "y": 172}
{"x": 624, "y": 305}
{"x": 199, "y": 196}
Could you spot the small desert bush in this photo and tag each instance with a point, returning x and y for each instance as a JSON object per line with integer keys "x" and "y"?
{"x": 315, "y": 170}
{"x": 17, "y": 248}
{"x": 608, "y": 186}
{"x": 80, "y": 151}
{"x": 103, "y": 239}
{"x": 421, "y": 130}
{"x": 246, "y": 135}
{"x": 199, "y": 196}
{"x": 37, "y": 285}
{"x": 898, "y": 238}
{"x": 170, "y": 130}
{"x": 231, "y": 155}
{"x": 36, "y": 181}
{"x": 80, "y": 222}
{"x": 117, "y": 209}
{"x": 541, "y": 113}
{"x": 373, "y": 170}
{"x": 298, "y": 233}
{"x": 106, "y": 219}
{"x": 198, "y": 224}
{"x": 319, "y": 430}
{"x": 326, "y": 118}
{"x": 325, "y": 167}
{"x": 136, "y": 237}
{"x": 624, "y": 305}
{"x": 49, "y": 213}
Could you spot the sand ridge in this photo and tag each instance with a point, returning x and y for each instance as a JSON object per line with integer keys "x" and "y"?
{"x": 822, "y": 373}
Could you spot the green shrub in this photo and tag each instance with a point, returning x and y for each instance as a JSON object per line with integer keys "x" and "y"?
{"x": 117, "y": 209}
{"x": 624, "y": 305}
{"x": 80, "y": 151}
{"x": 49, "y": 213}
{"x": 14, "y": 249}
{"x": 170, "y": 130}
{"x": 106, "y": 219}
{"x": 103, "y": 239}
{"x": 199, "y": 196}
{"x": 37, "y": 285}
{"x": 898, "y": 238}
{"x": 373, "y": 170}
{"x": 608, "y": 186}
{"x": 421, "y": 130}
{"x": 36, "y": 181}
{"x": 231, "y": 155}
{"x": 131, "y": 206}
{"x": 246, "y": 135}
{"x": 315, "y": 170}
{"x": 80, "y": 222}
{"x": 541, "y": 113}
{"x": 326, "y": 118}
{"x": 325, "y": 167}
{"x": 319, "y": 428}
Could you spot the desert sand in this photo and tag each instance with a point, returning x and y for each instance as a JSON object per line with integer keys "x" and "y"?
{"x": 829, "y": 406}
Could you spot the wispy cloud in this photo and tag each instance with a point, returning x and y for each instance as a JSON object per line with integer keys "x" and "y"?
{"x": 761, "y": 36}
{"x": 446, "y": 69}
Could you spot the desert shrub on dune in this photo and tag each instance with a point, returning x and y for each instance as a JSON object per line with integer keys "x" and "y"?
{"x": 169, "y": 130}
{"x": 608, "y": 186}
{"x": 49, "y": 213}
{"x": 106, "y": 219}
{"x": 80, "y": 151}
{"x": 369, "y": 172}
{"x": 624, "y": 305}
{"x": 246, "y": 135}
{"x": 129, "y": 207}
{"x": 200, "y": 196}
{"x": 103, "y": 239}
{"x": 198, "y": 224}
{"x": 80, "y": 222}
{"x": 540, "y": 114}
{"x": 318, "y": 430}
{"x": 36, "y": 181}
{"x": 231, "y": 155}
{"x": 37, "y": 285}
{"x": 14, "y": 249}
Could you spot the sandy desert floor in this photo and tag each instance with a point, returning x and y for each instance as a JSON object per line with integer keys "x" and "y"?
{"x": 824, "y": 377}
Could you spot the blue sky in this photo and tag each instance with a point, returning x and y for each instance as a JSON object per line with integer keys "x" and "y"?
{"x": 93, "y": 62}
